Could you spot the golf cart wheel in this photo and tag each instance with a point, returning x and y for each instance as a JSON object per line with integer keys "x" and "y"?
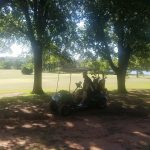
{"x": 103, "y": 106}
{"x": 53, "y": 107}
{"x": 64, "y": 110}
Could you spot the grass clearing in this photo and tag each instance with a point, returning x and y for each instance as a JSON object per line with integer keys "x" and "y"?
{"x": 13, "y": 81}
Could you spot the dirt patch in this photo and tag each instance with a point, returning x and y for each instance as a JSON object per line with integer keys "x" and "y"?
{"x": 31, "y": 126}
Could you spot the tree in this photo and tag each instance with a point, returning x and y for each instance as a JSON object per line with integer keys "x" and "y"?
{"x": 5, "y": 64}
{"x": 96, "y": 66}
{"x": 117, "y": 24}
{"x": 54, "y": 57}
{"x": 39, "y": 21}
{"x": 139, "y": 64}
{"x": 11, "y": 62}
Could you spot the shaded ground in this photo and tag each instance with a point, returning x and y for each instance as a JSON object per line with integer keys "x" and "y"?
{"x": 26, "y": 123}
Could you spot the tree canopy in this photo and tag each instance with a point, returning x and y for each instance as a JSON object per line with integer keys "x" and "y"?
{"x": 117, "y": 31}
{"x": 42, "y": 22}
{"x": 123, "y": 25}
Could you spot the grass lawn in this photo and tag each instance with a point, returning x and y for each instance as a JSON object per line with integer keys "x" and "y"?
{"x": 13, "y": 81}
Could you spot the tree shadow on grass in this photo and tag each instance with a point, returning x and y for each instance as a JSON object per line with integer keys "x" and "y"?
{"x": 26, "y": 123}
{"x": 134, "y": 103}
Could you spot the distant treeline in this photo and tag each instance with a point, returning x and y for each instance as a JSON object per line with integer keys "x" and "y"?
{"x": 15, "y": 62}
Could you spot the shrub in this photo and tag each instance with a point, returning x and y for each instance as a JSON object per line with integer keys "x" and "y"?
{"x": 27, "y": 70}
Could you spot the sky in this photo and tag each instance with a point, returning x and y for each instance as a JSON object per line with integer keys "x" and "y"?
{"x": 81, "y": 24}
{"x": 16, "y": 50}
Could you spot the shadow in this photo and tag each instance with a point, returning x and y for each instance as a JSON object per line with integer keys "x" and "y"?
{"x": 26, "y": 123}
{"x": 134, "y": 103}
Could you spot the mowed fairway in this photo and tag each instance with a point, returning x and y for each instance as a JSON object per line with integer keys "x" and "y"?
{"x": 12, "y": 81}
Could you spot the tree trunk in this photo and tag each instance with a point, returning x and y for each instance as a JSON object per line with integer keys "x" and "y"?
{"x": 37, "y": 85}
{"x": 121, "y": 76}
{"x": 36, "y": 47}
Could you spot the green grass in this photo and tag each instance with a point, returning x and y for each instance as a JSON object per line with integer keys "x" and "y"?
{"x": 13, "y": 81}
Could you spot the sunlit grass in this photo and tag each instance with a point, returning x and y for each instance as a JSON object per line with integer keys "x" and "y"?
{"x": 13, "y": 81}
{"x": 15, "y": 91}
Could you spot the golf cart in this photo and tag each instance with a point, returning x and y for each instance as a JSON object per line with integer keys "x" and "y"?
{"x": 64, "y": 102}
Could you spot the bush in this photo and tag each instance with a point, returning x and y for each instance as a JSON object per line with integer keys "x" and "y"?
{"x": 27, "y": 70}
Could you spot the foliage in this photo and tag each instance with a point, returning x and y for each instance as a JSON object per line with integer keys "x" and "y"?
{"x": 16, "y": 62}
{"x": 97, "y": 66}
{"x": 27, "y": 70}
{"x": 5, "y": 64}
{"x": 117, "y": 24}
{"x": 139, "y": 64}
{"x": 42, "y": 22}
{"x": 54, "y": 58}
{"x": 11, "y": 63}
{"x": 51, "y": 28}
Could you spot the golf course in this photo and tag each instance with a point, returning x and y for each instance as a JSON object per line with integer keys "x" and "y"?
{"x": 28, "y": 124}
{"x": 75, "y": 75}
{"x": 13, "y": 81}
